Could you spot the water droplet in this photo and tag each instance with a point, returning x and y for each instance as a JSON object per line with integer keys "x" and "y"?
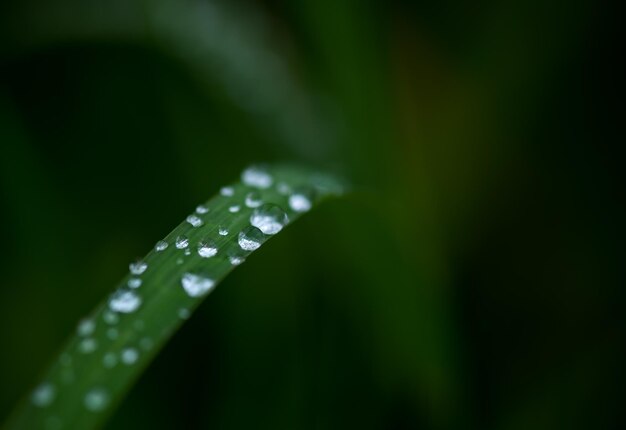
{"x": 253, "y": 199}
{"x": 283, "y": 188}
{"x": 86, "y": 327}
{"x": 96, "y": 399}
{"x": 257, "y": 177}
{"x": 138, "y": 267}
{"x": 250, "y": 238}
{"x": 269, "y": 218}
{"x": 124, "y": 301}
{"x": 129, "y": 356}
{"x": 179, "y": 261}
{"x": 87, "y": 346}
{"x": 207, "y": 249}
{"x": 300, "y": 201}
{"x": 187, "y": 251}
{"x": 194, "y": 220}
{"x": 43, "y": 395}
{"x": 161, "y": 245}
{"x": 196, "y": 285}
{"x": 134, "y": 282}
{"x": 109, "y": 360}
{"x": 110, "y": 317}
{"x": 112, "y": 333}
{"x": 227, "y": 191}
{"x": 183, "y": 313}
{"x": 182, "y": 242}
{"x": 146, "y": 343}
{"x": 201, "y": 209}
{"x": 234, "y": 209}
{"x": 223, "y": 231}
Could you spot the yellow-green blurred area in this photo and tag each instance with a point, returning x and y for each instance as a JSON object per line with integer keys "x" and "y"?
{"x": 474, "y": 279}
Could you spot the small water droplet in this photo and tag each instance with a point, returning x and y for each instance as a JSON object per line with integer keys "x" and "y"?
{"x": 283, "y": 188}
{"x": 161, "y": 245}
{"x": 227, "y": 191}
{"x": 43, "y": 395}
{"x": 194, "y": 220}
{"x": 109, "y": 360}
{"x": 196, "y": 285}
{"x": 134, "y": 282}
{"x": 300, "y": 201}
{"x": 110, "y": 317}
{"x": 201, "y": 209}
{"x": 138, "y": 267}
{"x": 146, "y": 343}
{"x": 187, "y": 251}
{"x": 223, "y": 231}
{"x": 269, "y": 218}
{"x": 207, "y": 249}
{"x": 179, "y": 261}
{"x": 129, "y": 356}
{"x": 183, "y": 313}
{"x": 87, "y": 346}
{"x": 257, "y": 177}
{"x": 124, "y": 301}
{"x": 112, "y": 333}
{"x": 182, "y": 242}
{"x": 250, "y": 238}
{"x": 86, "y": 327}
{"x": 96, "y": 399}
{"x": 253, "y": 199}
{"x": 234, "y": 209}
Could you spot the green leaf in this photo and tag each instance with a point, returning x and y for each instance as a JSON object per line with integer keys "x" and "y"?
{"x": 114, "y": 344}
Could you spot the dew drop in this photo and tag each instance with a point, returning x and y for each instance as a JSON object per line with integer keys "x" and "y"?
{"x": 96, "y": 399}
{"x": 283, "y": 188}
{"x": 109, "y": 360}
{"x": 234, "y": 209}
{"x": 87, "y": 346}
{"x": 179, "y": 261}
{"x": 134, "y": 282}
{"x": 86, "y": 327}
{"x": 196, "y": 285}
{"x": 250, "y": 238}
{"x": 201, "y": 209}
{"x": 207, "y": 249}
{"x": 223, "y": 231}
{"x": 253, "y": 199}
{"x": 161, "y": 245}
{"x": 300, "y": 202}
{"x": 269, "y": 218}
{"x": 257, "y": 177}
{"x": 110, "y": 317}
{"x": 187, "y": 251}
{"x": 194, "y": 220}
{"x": 183, "y": 313}
{"x": 43, "y": 395}
{"x": 129, "y": 356}
{"x": 182, "y": 242}
{"x": 227, "y": 191}
{"x": 138, "y": 267}
{"x": 124, "y": 301}
{"x": 146, "y": 343}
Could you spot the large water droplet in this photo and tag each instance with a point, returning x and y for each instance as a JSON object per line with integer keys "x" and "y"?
{"x": 257, "y": 177}
{"x": 182, "y": 242}
{"x": 43, "y": 395}
{"x": 86, "y": 327}
{"x": 87, "y": 346}
{"x": 96, "y": 399}
{"x": 227, "y": 191}
{"x": 269, "y": 218}
{"x": 129, "y": 356}
{"x": 207, "y": 249}
{"x": 196, "y": 285}
{"x": 161, "y": 245}
{"x": 124, "y": 301}
{"x": 250, "y": 238}
{"x": 201, "y": 209}
{"x": 253, "y": 199}
{"x": 138, "y": 267}
{"x": 194, "y": 220}
{"x": 134, "y": 282}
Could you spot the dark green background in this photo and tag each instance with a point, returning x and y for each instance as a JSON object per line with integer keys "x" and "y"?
{"x": 475, "y": 278}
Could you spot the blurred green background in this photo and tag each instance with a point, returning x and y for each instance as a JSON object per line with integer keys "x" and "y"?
{"x": 473, "y": 281}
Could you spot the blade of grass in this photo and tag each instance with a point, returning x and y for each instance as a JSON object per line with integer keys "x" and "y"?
{"x": 118, "y": 340}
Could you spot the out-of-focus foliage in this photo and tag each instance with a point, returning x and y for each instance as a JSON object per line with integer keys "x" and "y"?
{"x": 475, "y": 282}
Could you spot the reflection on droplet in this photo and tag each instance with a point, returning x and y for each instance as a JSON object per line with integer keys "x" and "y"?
{"x": 86, "y": 327}
{"x": 138, "y": 267}
{"x": 234, "y": 209}
{"x": 250, "y": 238}
{"x": 207, "y": 249}
{"x": 257, "y": 177}
{"x": 194, "y": 220}
{"x": 161, "y": 245}
{"x": 87, "y": 346}
{"x": 182, "y": 242}
{"x": 124, "y": 301}
{"x": 201, "y": 209}
{"x": 223, "y": 231}
{"x": 43, "y": 395}
{"x": 129, "y": 356}
{"x": 134, "y": 282}
{"x": 195, "y": 285}
{"x": 96, "y": 399}
{"x": 109, "y": 360}
{"x": 269, "y": 218}
{"x": 253, "y": 199}
{"x": 227, "y": 191}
